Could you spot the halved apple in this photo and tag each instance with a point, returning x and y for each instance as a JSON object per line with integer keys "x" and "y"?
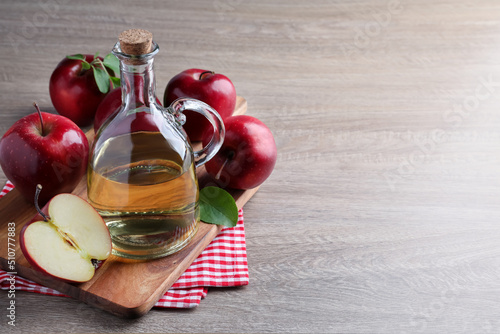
{"x": 63, "y": 244}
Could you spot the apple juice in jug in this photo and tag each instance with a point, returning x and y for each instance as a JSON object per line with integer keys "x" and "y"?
{"x": 142, "y": 172}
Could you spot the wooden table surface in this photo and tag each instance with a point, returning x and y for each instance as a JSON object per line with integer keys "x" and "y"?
{"x": 382, "y": 214}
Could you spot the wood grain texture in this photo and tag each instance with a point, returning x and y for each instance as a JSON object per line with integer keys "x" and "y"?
{"x": 382, "y": 213}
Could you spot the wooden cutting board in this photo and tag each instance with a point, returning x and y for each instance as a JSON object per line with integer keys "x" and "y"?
{"x": 123, "y": 287}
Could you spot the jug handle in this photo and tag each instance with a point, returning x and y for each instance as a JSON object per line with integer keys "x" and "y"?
{"x": 207, "y": 152}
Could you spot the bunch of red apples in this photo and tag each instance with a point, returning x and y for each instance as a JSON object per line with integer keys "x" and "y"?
{"x": 50, "y": 152}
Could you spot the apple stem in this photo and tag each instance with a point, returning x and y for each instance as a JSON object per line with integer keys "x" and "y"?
{"x": 39, "y": 115}
{"x": 37, "y": 194}
{"x": 229, "y": 158}
{"x": 101, "y": 64}
{"x": 206, "y": 72}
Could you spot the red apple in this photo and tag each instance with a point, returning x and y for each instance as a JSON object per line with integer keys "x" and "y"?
{"x": 73, "y": 88}
{"x": 108, "y": 107}
{"x": 216, "y": 90}
{"x": 247, "y": 156}
{"x": 53, "y": 153}
{"x": 64, "y": 240}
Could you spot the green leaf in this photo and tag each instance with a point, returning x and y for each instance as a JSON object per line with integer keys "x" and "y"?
{"x": 85, "y": 66}
{"x": 218, "y": 207}
{"x": 116, "y": 82}
{"x": 77, "y": 56}
{"x": 96, "y": 55}
{"x": 101, "y": 79}
{"x": 111, "y": 62}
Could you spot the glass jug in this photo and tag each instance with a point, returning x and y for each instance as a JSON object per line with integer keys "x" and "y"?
{"x": 142, "y": 169}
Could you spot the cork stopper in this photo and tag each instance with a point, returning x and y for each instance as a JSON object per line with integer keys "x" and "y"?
{"x": 136, "y": 41}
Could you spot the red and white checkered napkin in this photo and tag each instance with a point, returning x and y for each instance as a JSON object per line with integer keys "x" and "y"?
{"x": 222, "y": 264}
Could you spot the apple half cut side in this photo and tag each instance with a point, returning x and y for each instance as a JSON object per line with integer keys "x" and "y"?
{"x": 64, "y": 245}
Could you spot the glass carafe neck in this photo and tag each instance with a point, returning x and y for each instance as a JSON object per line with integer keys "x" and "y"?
{"x": 137, "y": 78}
